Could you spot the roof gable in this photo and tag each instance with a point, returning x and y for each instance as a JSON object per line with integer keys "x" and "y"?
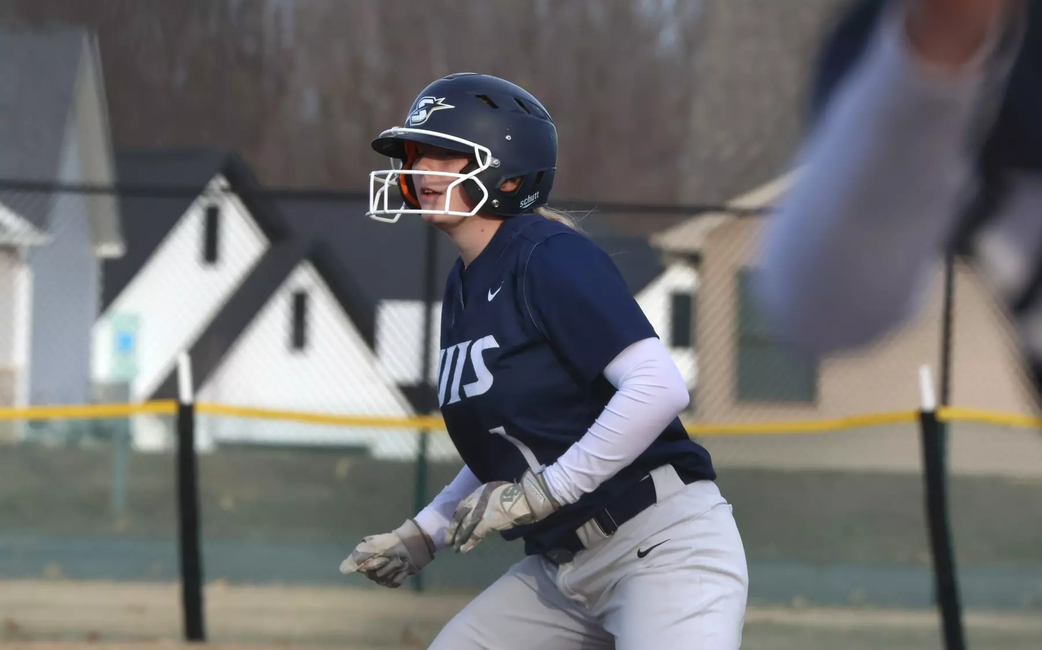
{"x": 39, "y": 71}
{"x": 362, "y": 245}
{"x": 148, "y": 219}
{"x": 235, "y": 315}
{"x": 688, "y": 237}
{"x": 213, "y": 345}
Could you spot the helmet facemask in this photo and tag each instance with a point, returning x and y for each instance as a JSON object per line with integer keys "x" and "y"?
{"x": 382, "y": 181}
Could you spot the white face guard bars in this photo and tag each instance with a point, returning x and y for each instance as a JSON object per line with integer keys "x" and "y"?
{"x": 381, "y": 182}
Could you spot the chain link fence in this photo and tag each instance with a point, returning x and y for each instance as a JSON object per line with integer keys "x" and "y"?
{"x": 89, "y": 542}
{"x": 846, "y": 507}
{"x": 312, "y": 331}
{"x": 304, "y": 322}
{"x": 994, "y": 455}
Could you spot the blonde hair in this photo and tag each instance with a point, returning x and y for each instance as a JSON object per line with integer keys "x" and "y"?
{"x": 558, "y": 215}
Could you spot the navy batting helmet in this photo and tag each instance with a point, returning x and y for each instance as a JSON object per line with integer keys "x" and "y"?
{"x": 507, "y": 132}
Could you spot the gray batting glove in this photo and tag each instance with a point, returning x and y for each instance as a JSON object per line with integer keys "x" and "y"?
{"x": 388, "y": 559}
{"x": 498, "y": 506}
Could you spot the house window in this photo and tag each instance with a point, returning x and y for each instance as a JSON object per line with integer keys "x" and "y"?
{"x": 211, "y": 228}
{"x": 682, "y": 314}
{"x": 300, "y": 320}
{"x": 766, "y": 370}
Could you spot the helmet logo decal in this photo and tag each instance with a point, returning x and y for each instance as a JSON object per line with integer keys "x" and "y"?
{"x": 529, "y": 200}
{"x": 425, "y": 107}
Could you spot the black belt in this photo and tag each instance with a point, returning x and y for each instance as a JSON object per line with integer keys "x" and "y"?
{"x": 628, "y": 505}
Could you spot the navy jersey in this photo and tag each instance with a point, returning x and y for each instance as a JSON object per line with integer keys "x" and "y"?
{"x": 526, "y": 332}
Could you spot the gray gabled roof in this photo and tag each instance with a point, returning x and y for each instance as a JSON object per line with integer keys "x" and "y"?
{"x": 689, "y": 237}
{"x": 388, "y": 260}
{"x": 147, "y": 220}
{"x": 38, "y": 72}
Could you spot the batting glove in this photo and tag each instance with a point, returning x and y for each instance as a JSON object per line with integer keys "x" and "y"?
{"x": 390, "y": 558}
{"x": 497, "y": 506}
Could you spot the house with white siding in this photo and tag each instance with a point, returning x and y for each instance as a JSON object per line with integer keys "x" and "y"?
{"x": 186, "y": 256}
{"x": 269, "y": 317}
{"x": 296, "y": 305}
{"x": 53, "y": 129}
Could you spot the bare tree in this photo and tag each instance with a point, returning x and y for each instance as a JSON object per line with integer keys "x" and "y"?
{"x": 612, "y": 72}
{"x": 300, "y": 88}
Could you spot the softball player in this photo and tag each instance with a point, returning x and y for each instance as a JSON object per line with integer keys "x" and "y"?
{"x": 928, "y": 135}
{"x": 561, "y": 400}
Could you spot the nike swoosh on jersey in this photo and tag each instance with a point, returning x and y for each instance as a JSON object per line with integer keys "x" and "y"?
{"x": 643, "y": 553}
{"x": 492, "y": 294}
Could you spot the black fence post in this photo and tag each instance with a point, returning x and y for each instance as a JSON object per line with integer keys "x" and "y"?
{"x": 428, "y": 399}
{"x": 936, "y": 479}
{"x": 947, "y": 329}
{"x": 188, "y": 507}
{"x": 945, "y": 580}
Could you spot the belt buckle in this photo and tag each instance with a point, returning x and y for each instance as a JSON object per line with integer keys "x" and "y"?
{"x": 607, "y": 525}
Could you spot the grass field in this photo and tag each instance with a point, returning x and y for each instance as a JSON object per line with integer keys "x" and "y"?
{"x": 838, "y": 559}
{"x": 288, "y": 517}
{"x": 328, "y": 496}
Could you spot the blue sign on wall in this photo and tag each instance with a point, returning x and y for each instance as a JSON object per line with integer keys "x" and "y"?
{"x": 125, "y": 342}
{"x": 124, "y": 346}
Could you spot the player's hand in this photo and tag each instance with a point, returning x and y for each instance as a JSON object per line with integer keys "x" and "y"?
{"x": 496, "y": 506}
{"x": 390, "y": 558}
{"x": 949, "y": 33}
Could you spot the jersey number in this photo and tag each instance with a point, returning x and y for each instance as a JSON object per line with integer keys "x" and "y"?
{"x": 533, "y": 462}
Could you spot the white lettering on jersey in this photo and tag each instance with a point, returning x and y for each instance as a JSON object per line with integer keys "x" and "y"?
{"x": 526, "y": 451}
{"x": 448, "y": 356}
{"x": 457, "y": 356}
{"x": 460, "y": 356}
{"x": 484, "y": 380}
{"x": 443, "y": 363}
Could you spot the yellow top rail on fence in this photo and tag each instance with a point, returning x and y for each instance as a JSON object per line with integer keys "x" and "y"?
{"x": 799, "y": 426}
{"x": 381, "y": 421}
{"x": 983, "y": 416}
{"x": 436, "y": 423}
{"x": 89, "y": 411}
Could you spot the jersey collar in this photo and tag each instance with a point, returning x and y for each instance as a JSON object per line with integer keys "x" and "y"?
{"x": 488, "y": 259}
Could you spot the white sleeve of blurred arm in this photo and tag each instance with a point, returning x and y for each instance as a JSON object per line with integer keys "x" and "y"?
{"x": 880, "y": 187}
{"x": 436, "y": 517}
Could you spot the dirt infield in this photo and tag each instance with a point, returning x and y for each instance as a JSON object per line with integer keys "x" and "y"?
{"x": 64, "y": 615}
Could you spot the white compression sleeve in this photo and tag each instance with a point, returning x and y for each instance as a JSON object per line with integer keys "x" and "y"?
{"x": 650, "y": 393}
{"x": 435, "y": 518}
{"x": 882, "y": 183}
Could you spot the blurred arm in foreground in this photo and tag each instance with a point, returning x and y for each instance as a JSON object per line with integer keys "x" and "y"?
{"x": 888, "y": 170}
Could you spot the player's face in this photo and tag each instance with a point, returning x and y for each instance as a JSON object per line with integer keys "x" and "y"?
{"x": 431, "y": 190}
